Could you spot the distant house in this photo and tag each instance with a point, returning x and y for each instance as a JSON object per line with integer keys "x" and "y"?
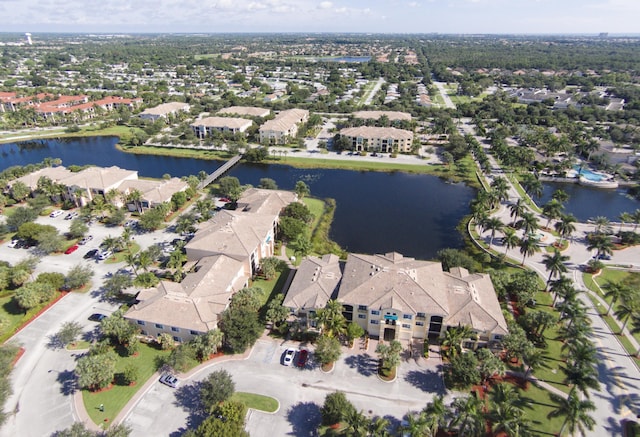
{"x": 84, "y": 185}
{"x": 375, "y": 115}
{"x": 395, "y": 297}
{"x": 283, "y": 127}
{"x": 164, "y": 110}
{"x": 245, "y": 111}
{"x": 206, "y": 126}
{"x": 378, "y": 139}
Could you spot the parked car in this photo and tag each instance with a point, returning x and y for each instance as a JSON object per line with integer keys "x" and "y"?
{"x": 130, "y": 223}
{"x": 170, "y": 380}
{"x": 303, "y": 355}
{"x": 90, "y": 254}
{"x": 56, "y": 213}
{"x": 225, "y": 199}
{"x": 13, "y": 243}
{"x": 289, "y": 355}
{"x": 71, "y": 215}
{"x": 103, "y": 254}
{"x": 603, "y": 256}
{"x": 71, "y": 249}
{"x": 97, "y": 317}
{"x": 85, "y": 239}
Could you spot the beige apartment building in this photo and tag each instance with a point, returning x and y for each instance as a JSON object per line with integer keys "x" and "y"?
{"x": 375, "y": 115}
{"x": 284, "y": 127}
{"x": 393, "y": 297}
{"x": 164, "y": 110}
{"x": 378, "y": 139}
{"x": 205, "y": 127}
{"x": 245, "y": 111}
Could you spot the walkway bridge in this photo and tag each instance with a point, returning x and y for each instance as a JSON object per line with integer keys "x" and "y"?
{"x": 220, "y": 171}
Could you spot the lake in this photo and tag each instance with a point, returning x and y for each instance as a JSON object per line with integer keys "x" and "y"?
{"x": 376, "y": 212}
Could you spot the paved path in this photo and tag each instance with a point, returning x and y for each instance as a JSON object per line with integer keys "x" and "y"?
{"x": 618, "y": 397}
{"x": 445, "y": 95}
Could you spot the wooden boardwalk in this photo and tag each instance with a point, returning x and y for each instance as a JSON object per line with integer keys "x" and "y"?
{"x": 220, "y": 171}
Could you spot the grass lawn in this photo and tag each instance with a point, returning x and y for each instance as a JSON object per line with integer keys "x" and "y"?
{"x": 257, "y": 402}
{"x": 273, "y": 286}
{"x": 541, "y": 405}
{"x": 117, "y": 397}
{"x": 119, "y": 256}
{"x": 316, "y": 206}
{"x": 15, "y": 316}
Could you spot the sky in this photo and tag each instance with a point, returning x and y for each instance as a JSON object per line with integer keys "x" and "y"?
{"x": 368, "y": 16}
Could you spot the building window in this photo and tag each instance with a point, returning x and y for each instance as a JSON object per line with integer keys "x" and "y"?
{"x": 174, "y": 329}
{"x": 362, "y": 316}
{"x": 375, "y": 312}
{"x": 374, "y": 322}
{"x": 497, "y": 337}
{"x": 421, "y": 315}
{"x": 177, "y": 339}
{"x": 362, "y": 307}
{"x": 419, "y": 323}
{"x": 141, "y": 322}
{"x": 194, "y": 333}
{"x": 406, "y": 326}
{"x": 143, "y": 332}
{"x": 159, "y": 326}
{"x": 407, "y": 316}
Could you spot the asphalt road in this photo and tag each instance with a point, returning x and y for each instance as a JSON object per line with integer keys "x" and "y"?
{"x": 42, "y": 400}
{"x": 300, "y": 392}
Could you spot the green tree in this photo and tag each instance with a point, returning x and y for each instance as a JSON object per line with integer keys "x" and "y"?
{"x": 389, "y": 354}
{"x": 68, "y": 332}
{"x": 298, "y": 210}
{"x": 575, "y": 412}
{"x": 20, "y": 216}
{"x": 328, "y": 349}
{"x": 330, "y": 318}
{"x": 354, "y": 331}
{"x": 302, "y": 189}
{"x": 335, "y": 408}
{"x": 268, "y": 184}
{"x": 96, "y": 371}
{"x": 528, "y": 247}
{"x": 269, "y": 267}
{"x": 216, "y": 388}
{"x": 229, "y": 186}
{"x": 32, "y": 294}
{"x": 207, "y": 343}
{"x": 615, "y": 291}
{"x": 494, "y": 225}
{"x": 116, "y": 327}
{"x": 78, "y": 228}
{"x": 146, "y": 280}
{"x": 469, "y": 416}
{"x": 554, "y": 264}
{"x": 78, "y": 276}
{"x": 565, "y": 226}
{"x": 510, "y": 239}
{"x": 276, "y": 313}
{"x": 241, "y": 326}
{"x": 20, "y": 191}
{"x": 290, "y": 228}
{"x": 114, "y": 285}
{"x": 463, "y": 370}
{"x": 489, "y": 364}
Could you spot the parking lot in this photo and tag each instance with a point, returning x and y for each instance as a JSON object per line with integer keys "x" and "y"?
{"x": 300, "y": 391}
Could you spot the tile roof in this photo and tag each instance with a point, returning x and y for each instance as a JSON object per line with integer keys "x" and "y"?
{"x": 246, "y": 110}
{"x": 375, "y": 115}
{"x": 315, "y": 282}
{"x": 285, "y": 120}
{"x": 377, "y": 132}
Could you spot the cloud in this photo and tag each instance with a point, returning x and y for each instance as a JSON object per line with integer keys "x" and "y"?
{"x": 325, "y": 5}
{"x": 413, "y": 4}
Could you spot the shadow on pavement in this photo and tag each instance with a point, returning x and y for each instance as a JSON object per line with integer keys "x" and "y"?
{"x": 67, "y": 380}
{"x": 365, "y": 364}
{"x": 304, "y": 418}
{"x": 188, "y": 397}
{"x": 429, "y": 381}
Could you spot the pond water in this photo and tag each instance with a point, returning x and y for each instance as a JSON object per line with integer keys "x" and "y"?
{"x": 587, "y": 202}
{"x": 376, "y": 212}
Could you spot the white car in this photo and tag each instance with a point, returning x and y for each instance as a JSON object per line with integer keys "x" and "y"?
{"x": 103, "y": 254}
{"x": 13, "y": 243}
{"x": 56, "y": 213}
{"x": 85, "y": 240}
{"x": 289, "y": 355}
{"x": 170, "y": 380}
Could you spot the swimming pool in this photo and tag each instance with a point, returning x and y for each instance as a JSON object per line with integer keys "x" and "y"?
{"x": 590, "y": 175}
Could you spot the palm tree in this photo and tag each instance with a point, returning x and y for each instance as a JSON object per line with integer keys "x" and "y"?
{"x": 615, "y": 291}
{"x": 436, "y": 414}
{"x": 575, "y": 412}
{"x": 534, "y": 359}
{"x": 134, "y": 197}
{"x": 560, "y": 195}
{"x": 628, "y": 308}
{"x": 528, "y": 222}
{"x": 572, "y": 310}
{"x": 494, "y": 225}
{"x": 132, "y": 261}
{"x": 144, "y": 260}
{"x": 517, "y": 209}
{"x": 501, "y": 187}
{"x": 358, "y": 423}
{"x": 555, "y": 264}
{"x": 602, "y": 225}
{"x": 582, "y": 376}
{"x": 417, "y": 426}
{"x": 510, "y": 239}
{"x": 625, "y": 217}
{"x": 330, "y": 318}
{"x": 565, "y": 226}
{"x": 552, "y": 211}
{"x": 528, "y": 247}
{"x": 452, "y": 340}
{"x": 379, "y": 427}
{"x": 468, "y": 416}
{"x": 601, "y": 243}
{"x": 507, "y": 419}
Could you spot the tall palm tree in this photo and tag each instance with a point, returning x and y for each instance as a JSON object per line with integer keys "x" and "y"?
{"x": 552, "y": 210}
{"x": 469, "y": 416}
{"x": 602, "y": 225}
{"x": 565, "y": 226}
{"x": 575, "y": 411}
{"x": 510, "y": 239}
{"x": 528, "y": 222}
{"x": 572, "y": 310}
{"x": 417, "y": 426}
{"x": 534, "y": 358}
{"x": 528, "y": 247}
{"x": 628, "y": 308}
{"x": 379, "y": 427}
{"x": 581, "y": 375}
{"x": 625, "y": 217}
{"x": 615, "y": 291}
{"x": 501, "y": 187}
{"x": 555, "y": 264}
{"x": 357, "y": 423}
{"x": 560, "y": 195}
{"x": 330, "y": 318}
{"x": 507, "y": 419}
{"x": 494, "y": 225}
{"x": 436, "y": 414}
{"x": 601, "y": 243}
{"x": 517, "y": 209}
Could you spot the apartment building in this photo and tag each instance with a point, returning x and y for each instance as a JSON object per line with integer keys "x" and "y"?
{"x": 164, "y": 110}
{"x": 378, "y": 139}
{"x": 207, "y": 126}
{"x": 284, "y": 127}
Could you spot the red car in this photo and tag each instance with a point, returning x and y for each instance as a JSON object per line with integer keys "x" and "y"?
{"x": 71, "y": 249}
{"x": 302, "y": 358}
{"x": 225, "y": 199}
